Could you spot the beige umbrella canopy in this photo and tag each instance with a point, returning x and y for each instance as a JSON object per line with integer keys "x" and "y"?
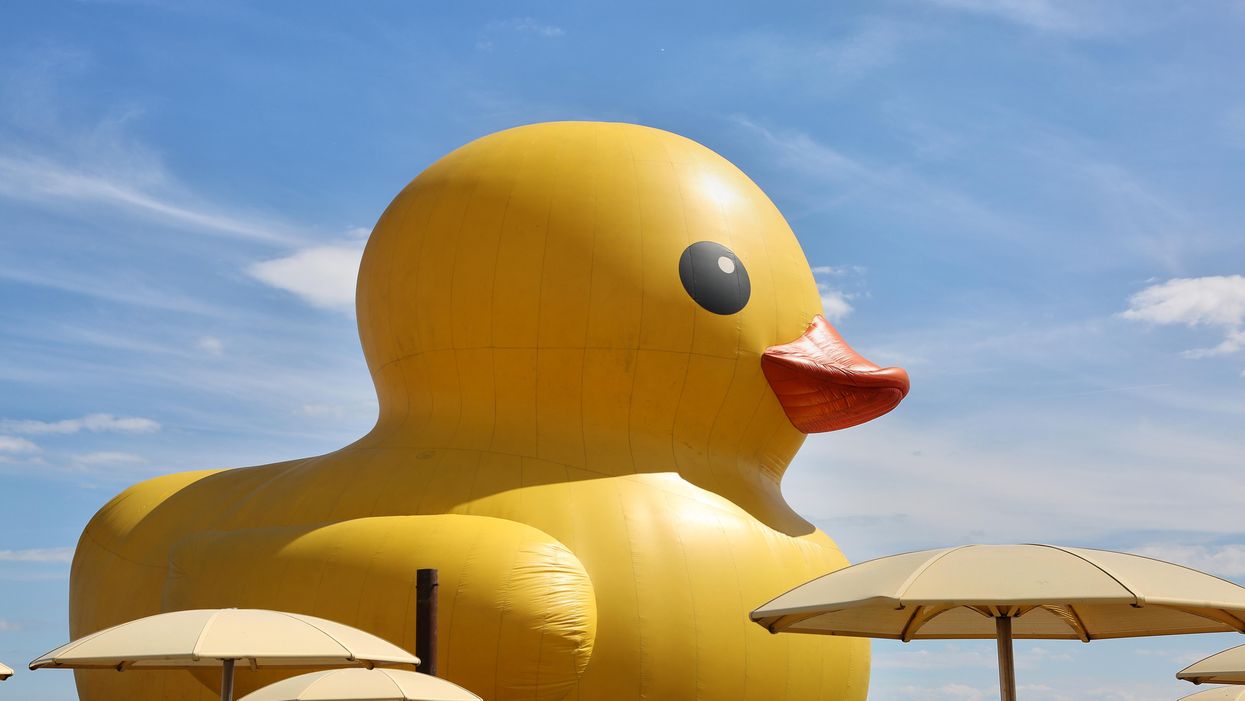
{"x": 220, "y": 637}
{"x": 1222, "y": 693}
{"x": 1227, "y": 667}
{"x": 1009, "y": 591}
{"x": 362, "y": 685}
{"x": 5, "y": 672}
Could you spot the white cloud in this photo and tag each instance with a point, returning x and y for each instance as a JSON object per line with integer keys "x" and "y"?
{"x": 8, "y": 626}
{"x": 528, "y": 26}
{"x": 210, "y": 345}
{"x": 952, "y": 692}
{"x": 42, "y": 180}
{"x": 825, "y": 63}
{"x": 95, "y": 423}
{"x": 39, "y": 555}
{"x": 950, "y": 655}
{"x": 1048, "y": 15}
{"x": 831, "y": 280}
{"x": 323, "y": 276}
{"x": 834, "y": 303}
{"x": 796, "y": 150}
{"x": 336, "y": 411}
{"x": 1216, "y": 301}
{"x": 107, "y": 458}
{"x": 1222, "y": 560}
{"x": 1233, "y": 343}
{"x": 838, "y": 271}
{"x": 117, "y": 289}
{"x": 833, "y": 178}
{"x": 942, "y": 657}
{"x": 959, "y": 474}
{"x": 12, "y": 444}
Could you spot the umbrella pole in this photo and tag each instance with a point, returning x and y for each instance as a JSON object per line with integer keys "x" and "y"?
{"x": 226, "y": 681}
{"x": 1007, "y": 663}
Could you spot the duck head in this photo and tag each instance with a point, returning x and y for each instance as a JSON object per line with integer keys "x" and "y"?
{"x": 607, "y": 297}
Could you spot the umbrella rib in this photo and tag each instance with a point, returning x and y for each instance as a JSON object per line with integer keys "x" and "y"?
{"x": 323, "y": 676}
{"x": 1219, "y": 615}
{"x": 349, "y": 653}
{"x": 75, "y": 644}
{"x": 393, "y": 681}
{"x": 923, "y": 615}
{"x": 1239, "y": 623}
{"x": 1077, "y": 624}
{"x": 1140, "y": 599}
{"x": 908, "y": 630}
{"x": 903, "y": 588}
{"x": 194, "y": 649}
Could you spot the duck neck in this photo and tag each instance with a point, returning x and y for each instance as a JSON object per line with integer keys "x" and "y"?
{"x": 725, "y": 432}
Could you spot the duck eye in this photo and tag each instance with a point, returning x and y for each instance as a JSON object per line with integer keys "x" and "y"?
{"x": 715, "y": 277}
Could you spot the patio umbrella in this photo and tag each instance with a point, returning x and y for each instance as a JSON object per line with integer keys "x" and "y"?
{"x": 1006, "y": 592}
{"x": 362, "y": 685}
{"x": 1227, "y": 667}
{"x": 5, "y": 672}
{"x": 221, "y": 637}
{"x": 1222, "y": 693}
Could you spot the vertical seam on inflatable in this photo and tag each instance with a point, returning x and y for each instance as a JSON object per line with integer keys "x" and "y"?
{"x": 540, "y": 295}
{"x": 639, "y": 341}
{"x": 592, "y": 269}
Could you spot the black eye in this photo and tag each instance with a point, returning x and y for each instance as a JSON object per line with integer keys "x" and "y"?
{"x": 715, "y": 277}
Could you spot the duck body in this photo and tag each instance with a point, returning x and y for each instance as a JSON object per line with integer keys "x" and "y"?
{"x": 588, "y": 342}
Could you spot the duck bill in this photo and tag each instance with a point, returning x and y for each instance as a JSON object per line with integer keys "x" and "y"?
{"x": 824, "y": 385}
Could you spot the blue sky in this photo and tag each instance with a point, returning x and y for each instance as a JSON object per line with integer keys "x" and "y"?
{"x": 1032, "y": 205}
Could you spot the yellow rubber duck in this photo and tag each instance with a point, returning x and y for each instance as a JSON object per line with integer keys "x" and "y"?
{"x": 596, "y": 348}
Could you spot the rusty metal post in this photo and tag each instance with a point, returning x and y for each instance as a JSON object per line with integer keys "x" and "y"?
{"x": 426, "y": 620}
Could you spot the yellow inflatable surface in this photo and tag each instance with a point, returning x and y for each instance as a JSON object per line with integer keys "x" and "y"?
{"x": 596, "y": 348}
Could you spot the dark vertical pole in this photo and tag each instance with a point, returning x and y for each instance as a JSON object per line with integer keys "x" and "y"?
{"x": 226, "y": 680}
{"x": 426, "y": 620}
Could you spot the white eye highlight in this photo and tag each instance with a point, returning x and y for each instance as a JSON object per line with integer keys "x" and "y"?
{"x": 726, "y": 265}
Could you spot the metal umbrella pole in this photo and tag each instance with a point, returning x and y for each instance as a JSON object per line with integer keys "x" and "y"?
{"x": 1007, "y": 661}
{"x": 226, "y": 680}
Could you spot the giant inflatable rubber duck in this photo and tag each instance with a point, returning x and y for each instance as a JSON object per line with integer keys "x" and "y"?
{"x": 596, "y": 349}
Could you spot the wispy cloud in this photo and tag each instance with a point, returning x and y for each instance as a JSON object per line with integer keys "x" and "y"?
{"x": 44, "y": 181}
{"x": 835, "y": 178}
{"x": 52, "y": 158}
{"x": 211, "y": 345}
{"x": 1215, "y": 301}
{"x": 825, "y": 63}
{"x": 944, "y": 657}
{"x": 530, "y": 25}
{"x": 118, "y": 289}
{"x": 107, "y": 457}
{"x": 95, "y": 423}
{"x": 38, "y": 555}
{"x": 1146, "y": 218}
{"x": 832, "y": 284}
{"x": 523, "y": 26}
{"x": 1226, "y": 560}
{"x": 1046, "y": 15}
{"x": 798, "y": 151}
{"x": 950, "y": 692}
{"x": 13, "y": 444}
{"x": 959, "y": 475}
{"x": 953, "y": 656}
{"x": 323, "y": 276}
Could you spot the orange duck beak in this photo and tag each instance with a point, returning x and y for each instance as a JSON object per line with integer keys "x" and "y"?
{"x": 824, "y": 385}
